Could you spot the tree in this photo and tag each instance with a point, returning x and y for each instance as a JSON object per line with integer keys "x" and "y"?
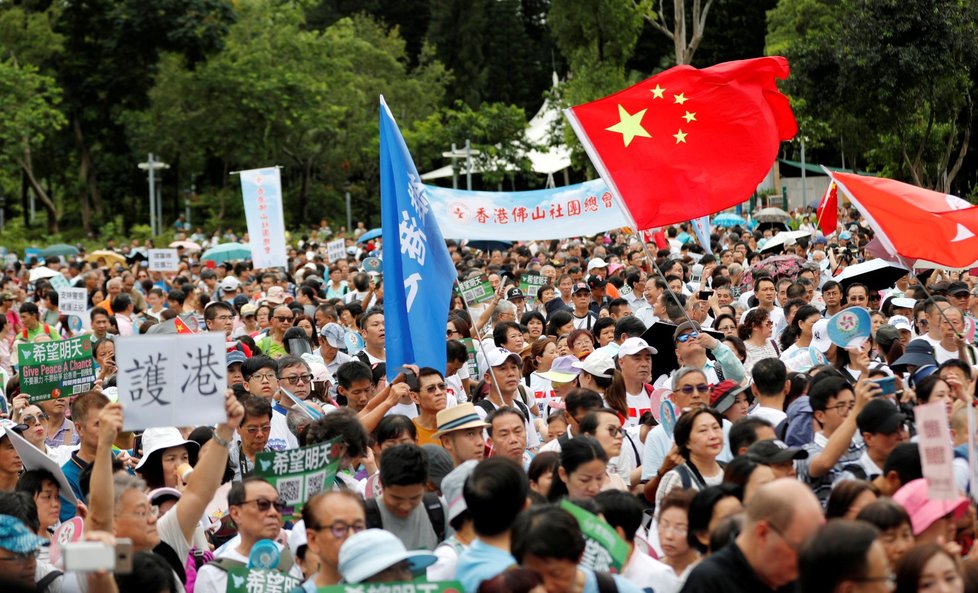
{"x": 685, "y": 46}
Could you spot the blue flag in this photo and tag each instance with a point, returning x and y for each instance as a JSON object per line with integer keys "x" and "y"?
{"x": 701, "y": 227}
{"x": 418, "y": 271}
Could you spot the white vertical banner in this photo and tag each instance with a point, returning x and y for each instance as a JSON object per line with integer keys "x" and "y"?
{"x": 172, "y": 380}
{"x": 72, "y": 301}
{"x": 262, "y": 193}
{"x": 936, "y": 457}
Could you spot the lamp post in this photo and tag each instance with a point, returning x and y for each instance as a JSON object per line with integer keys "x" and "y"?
{"x": 152, "y": 166}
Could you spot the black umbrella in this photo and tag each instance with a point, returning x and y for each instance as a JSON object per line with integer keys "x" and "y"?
{"x": 877, "y": 274}
{"x": 136, "y": 255}
{"x": 659, "y": 336}
{"x": 488, "y": 246}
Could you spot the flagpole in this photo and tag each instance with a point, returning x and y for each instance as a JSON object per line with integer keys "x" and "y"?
{"x": 482, "y": 347}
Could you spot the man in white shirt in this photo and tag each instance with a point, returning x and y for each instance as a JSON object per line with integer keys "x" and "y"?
{"x": 504, "y": 379}
{"x": 770, "y": 387}
{"x": 883, "y": 428}
{"x": 766, "y": 294}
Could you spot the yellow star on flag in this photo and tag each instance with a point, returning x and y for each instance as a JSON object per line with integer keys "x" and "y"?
{"x": 657, "y": 92}
{"x": 680, "y": 98}
{"x": 689, "y": 117}
{"x": 680, "y": 136}
{"x": 629, "y": 125}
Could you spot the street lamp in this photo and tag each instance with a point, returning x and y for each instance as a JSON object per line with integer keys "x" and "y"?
{"x": 152, "y": 166}
{"x": 466, "y": 154}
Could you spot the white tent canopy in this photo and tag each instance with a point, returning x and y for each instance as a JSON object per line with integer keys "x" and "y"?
{"x": 538, "y": 132}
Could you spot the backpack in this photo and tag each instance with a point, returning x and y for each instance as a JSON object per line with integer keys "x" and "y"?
{"x": 521, "y": 407}
{"x": 432, "y": 506}
{"x": 47, "y": 580}
{"x": 688, "y": 476}
{"x": 47, "y": 331}
{"x": 195, "y": 559}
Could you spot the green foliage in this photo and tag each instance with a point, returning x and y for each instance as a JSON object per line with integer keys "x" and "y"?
{"x": 29, "y": 104}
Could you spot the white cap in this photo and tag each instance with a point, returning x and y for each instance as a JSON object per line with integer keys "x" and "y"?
{"x": 229, "y": 283}
{"x": 900, "y": 322}
{"x": 596, "y": 263}
{"x": 820, "y": 335}
{"x": 903, "y": 303}
{"x": 599, "y": 363}
{"x": 634, "y": 346}
{"x": 497, "y": 356}
{"x": 297, "y": 537}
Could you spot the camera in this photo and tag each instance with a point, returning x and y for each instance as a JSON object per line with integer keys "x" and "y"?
{"x": 97, "y": 556}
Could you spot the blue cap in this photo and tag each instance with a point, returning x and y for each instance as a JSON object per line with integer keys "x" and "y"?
{"x": 372, "y": 551}
{"x": 236, "y": 356}
{"x": 16, "y": 537}
{"x": 845, "y": 236}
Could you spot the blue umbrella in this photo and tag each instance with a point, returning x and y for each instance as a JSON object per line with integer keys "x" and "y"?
{"x": 227, "y": 252}
{"x": 371, "y": 234}
{"x": 729, "y": 219}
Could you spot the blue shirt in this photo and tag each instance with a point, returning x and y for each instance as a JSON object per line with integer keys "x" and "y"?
{"x": 591, "y": 583}
{"x": 481, "y": 562}
{"x": 72, "y": 469}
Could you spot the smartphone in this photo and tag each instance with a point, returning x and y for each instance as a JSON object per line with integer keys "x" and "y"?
{"x": 888, "y": 384}
{"x": 705, "y": 294}
{"x": 96, "y": 556}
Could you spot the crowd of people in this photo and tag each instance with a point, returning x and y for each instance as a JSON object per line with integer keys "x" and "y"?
{"x": 693, "y": 401}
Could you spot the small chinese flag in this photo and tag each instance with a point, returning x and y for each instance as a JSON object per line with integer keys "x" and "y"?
{"x": 828, "y": 210}
{"x": 686, "y": 143}
{"x": 182, "y": 327}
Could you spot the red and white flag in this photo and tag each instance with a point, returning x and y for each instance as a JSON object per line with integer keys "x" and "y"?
{"x": 686, "y": 143}
{"x": 915, "y": 223}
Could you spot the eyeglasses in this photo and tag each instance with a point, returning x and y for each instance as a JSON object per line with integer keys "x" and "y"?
{"x": 340, "y": 529}
{"x": 143, "y": 514}
{"x": 452, "y": 332}
{"x": 32, "y": 419}
{"x": 677, "y": 529}
{"x": 689, "y": 389}
{"x": 687, "y": 337}
{"x": 263, "y": 377}
{"x": 263, "y": 504}
{"x": 296, "y": 379}
{"x": 923, "y": 322}
{"x": 843, "y": 407}
{"x": 22, "y": 558}
{"x": 253, "y": 430}
{"x": 284, "y": 319}
{"x": 615, "y": 430}
{"x": 793, "y": 545}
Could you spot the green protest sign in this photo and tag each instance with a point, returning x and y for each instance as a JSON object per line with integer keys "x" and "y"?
{"x": 476, "y": 290}
{"x": 531, "y": 283}
{"x": 259, "y": 580}
{"x": 604, "y": 549}
{"x": 471, "y": 361}
{"x": 49, "y": 370}
{"x": 403, "y": 587}
{"x": 298, "y": 474}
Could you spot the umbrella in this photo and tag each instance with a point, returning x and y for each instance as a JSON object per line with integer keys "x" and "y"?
{"x": 188, "y": 245}
{"x": 371, "y": 234}
{"x": 227, "y": 252}
{"x": 659, "y": 336}
{"x": 772, "y": 215}
{"x": 487, "y": 246}
{"x": 877, "y": 274}
{"x": 136, "y": 255}
{"x": 59, "y": 249}
{"x": 42, "y": 272}
{"x": 783, "y": 239}
{"x": 110, "y": 257}
{"x": 729, "y": 219}
{"x": 779, "y": 266}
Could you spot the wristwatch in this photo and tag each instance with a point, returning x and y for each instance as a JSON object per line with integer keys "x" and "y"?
{"x": 220, "y": 441}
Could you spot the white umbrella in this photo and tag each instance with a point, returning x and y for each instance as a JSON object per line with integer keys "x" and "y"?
{"x": 42, "y": 272}
{"x": 772, "y": 215}
{"x": 783, "y": 239}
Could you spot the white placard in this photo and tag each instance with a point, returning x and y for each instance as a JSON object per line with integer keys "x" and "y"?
{"x": 72, "y": 301}
{"x": 172, "y": 380}
{"x": 163, "y": 260}
{"x": 336, "y": 250}
{"x": 34, "y": 458}
{"x": 934, "y": 441}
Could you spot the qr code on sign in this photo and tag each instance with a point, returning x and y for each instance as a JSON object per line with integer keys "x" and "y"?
{"x": 290, "y": 489}
{"x": 315, "y": 483}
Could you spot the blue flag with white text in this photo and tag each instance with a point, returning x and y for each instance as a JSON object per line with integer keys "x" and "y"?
{"x": 418, "y": 271}
{"x": 701, "y": 228}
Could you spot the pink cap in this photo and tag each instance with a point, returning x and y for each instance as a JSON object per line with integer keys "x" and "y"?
{"x": 925, "y": 511}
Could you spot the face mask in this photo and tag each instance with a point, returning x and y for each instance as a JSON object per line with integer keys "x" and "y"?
{"x": 299, "y": 346}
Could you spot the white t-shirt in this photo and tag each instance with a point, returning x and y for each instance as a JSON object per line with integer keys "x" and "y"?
{"x": 638, "y": 404}
{"x": 770, "y": 414}
{"x": 211, "y": 579}
{"x": 647, "y": 572}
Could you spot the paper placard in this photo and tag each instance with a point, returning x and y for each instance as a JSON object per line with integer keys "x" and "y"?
{"x": 336, "y": 250}
{"x": 172, "y": 380}
{"x": 299, "y": 474}
{"x": 49, "y": 370}
{"x": 163, "y": 260}
{"x": 477, "y": 290}
{"x": 58, "y": 282}
{"x": 72, "y": 301}
{"x": 34, "y": 458}
{"x": 934, "y": 441}
{"x": 531, "y": 283}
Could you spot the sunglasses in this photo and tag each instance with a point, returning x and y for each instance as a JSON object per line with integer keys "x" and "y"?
{"x": 285, "y": 319}
{"x": 687, "y": 337}
{"x": 689, "y": 389}
{"x": 32, "y": 420}
{"x": 263, "y": 504}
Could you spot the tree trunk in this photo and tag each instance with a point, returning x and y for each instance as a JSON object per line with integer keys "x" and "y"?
{"x": 25, "y": 201}
{"x": 86, "y": 172}
{"x": 28, "y": 168}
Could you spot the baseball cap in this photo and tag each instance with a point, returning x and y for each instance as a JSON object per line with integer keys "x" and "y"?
{"x": 563, "y": 369}
{"x": 372, "y": 551}
{"x": 497, "y": 356}
{"x": 634, "y": 346}
{"x": 880, "y": 416}
{"x": 452, "y": 486}
{"x": 580, "y": 287}
{"x": 248, "y": 310}
{"x": 596, "y": 282}
{"x": 685, "y": 327}
{"x": 886, "y": 335}
{"x": 900, "y": 322}
{"x": 820, "y": 336}
{"x": 614, "y": 267}
{"x": 724, "y": 394}
{"x": 596, "y": 263}
{"x": 923, "y": 510}
{"x": 904, "y": 303}
{"x": 7, "y": 296}
{"x": 439, "y": 463}
{"x": 334, "y": 334}
{"x": 229, "y": 283}
{"x": 599, "y": 363}
{"x": 918, "y": 353}
{"x": 774, "y": 451}
{"x": 514, "y": 293}
{"x": 160, "y": 495}
{"x": 236, "y": 356}
{"x": 958, "y": 287}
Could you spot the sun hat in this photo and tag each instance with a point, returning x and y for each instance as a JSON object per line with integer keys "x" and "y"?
{"x": 161, "y": 438}
{"x": 919, "y": 353}
{"x": 372, "y": 551}
{"x": 724, "y": 394}
{"x": 457, "y": 417}
{"x": 16, "y": 537}
{"x": 923, "y": 510}
{"x": 563, "y": 369}
{"x": 276, "y": 295}
{"x": 163, "y": 494}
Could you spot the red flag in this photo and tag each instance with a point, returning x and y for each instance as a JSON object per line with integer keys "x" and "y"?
{"x": 182, "y": 327}
{"x": 686, "y": 143}
{"x": 915, "y": 223}
{"x": 828, "y": 210}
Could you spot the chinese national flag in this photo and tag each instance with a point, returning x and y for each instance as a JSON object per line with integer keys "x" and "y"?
{"x": 182, "y": 327}
{"x": 915, "y": 223}
{"x": 828, "y": 210}
{"x": 686, "y": 143}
